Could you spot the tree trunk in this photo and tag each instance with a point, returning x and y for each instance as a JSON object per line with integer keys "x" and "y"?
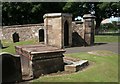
{"x": 98, "y": 22}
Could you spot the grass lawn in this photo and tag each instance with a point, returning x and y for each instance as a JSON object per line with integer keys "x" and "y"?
{"x": 106, "y": 38}
{"x": 102, "y": 69}
{"x": 10, "y": 46}
{"x": 98, "y": 38}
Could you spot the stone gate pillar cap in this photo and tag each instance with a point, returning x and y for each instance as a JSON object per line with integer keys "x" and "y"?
{"x": 85, "y": 16}
{"x": 57, "y": 15}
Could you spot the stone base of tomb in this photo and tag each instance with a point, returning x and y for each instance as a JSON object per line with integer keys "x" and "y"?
{"x": 37, "y": 60}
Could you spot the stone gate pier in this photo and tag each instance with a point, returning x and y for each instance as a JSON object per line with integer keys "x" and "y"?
{"x": 89, "y": 28}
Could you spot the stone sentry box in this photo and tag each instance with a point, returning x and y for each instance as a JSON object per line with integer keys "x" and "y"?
{"x": 58, "y": 29}
{"x": 39, "y": 59}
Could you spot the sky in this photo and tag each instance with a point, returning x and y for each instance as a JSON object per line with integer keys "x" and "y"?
{"x": 115, "y": 18}
{"x": 109, "y": 20}
{"x": 112, "y": 18}
{"x": 79, "y": 18}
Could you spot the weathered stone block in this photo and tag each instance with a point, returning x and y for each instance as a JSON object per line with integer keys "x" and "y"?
{"x": 76, "y": 66}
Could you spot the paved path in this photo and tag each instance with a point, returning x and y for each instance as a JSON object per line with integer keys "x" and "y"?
{"x": 99, "y": 46}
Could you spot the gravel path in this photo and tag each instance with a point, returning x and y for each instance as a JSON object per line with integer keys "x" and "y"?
{"x": 98, "y": 46}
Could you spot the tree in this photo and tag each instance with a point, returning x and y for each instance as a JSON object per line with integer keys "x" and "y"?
{"x": 15, "y": 12}
{"x": 27, "y": 12}
{"x": 32, "y": 12}
{"x": 105, "y": 10}
{"x": 74, "y": 7}
{"x": 101, "y": 10}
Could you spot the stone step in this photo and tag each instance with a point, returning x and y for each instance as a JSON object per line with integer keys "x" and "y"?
{"x": 68, "y": 62}
{"x": 76, "y": 66}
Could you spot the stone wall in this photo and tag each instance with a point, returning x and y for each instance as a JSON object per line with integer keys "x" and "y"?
{"x": 26, "y": 32}
{"x": 78, "y": 33}
{"x": 78, "y": 27}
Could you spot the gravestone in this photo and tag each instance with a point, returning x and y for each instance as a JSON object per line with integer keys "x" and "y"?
{"x": 15, "y": 37}
{"x": 11, "y": 68}
{"x": 1, "y": 45}
{"x": 41, "y": 35}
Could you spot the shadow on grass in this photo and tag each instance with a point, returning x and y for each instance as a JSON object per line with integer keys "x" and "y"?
{"x": 5, "y": 47}
{"x": 111, "y": 34}
{"x": 95, "y": 44}
{"x": 99, "y": 44}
